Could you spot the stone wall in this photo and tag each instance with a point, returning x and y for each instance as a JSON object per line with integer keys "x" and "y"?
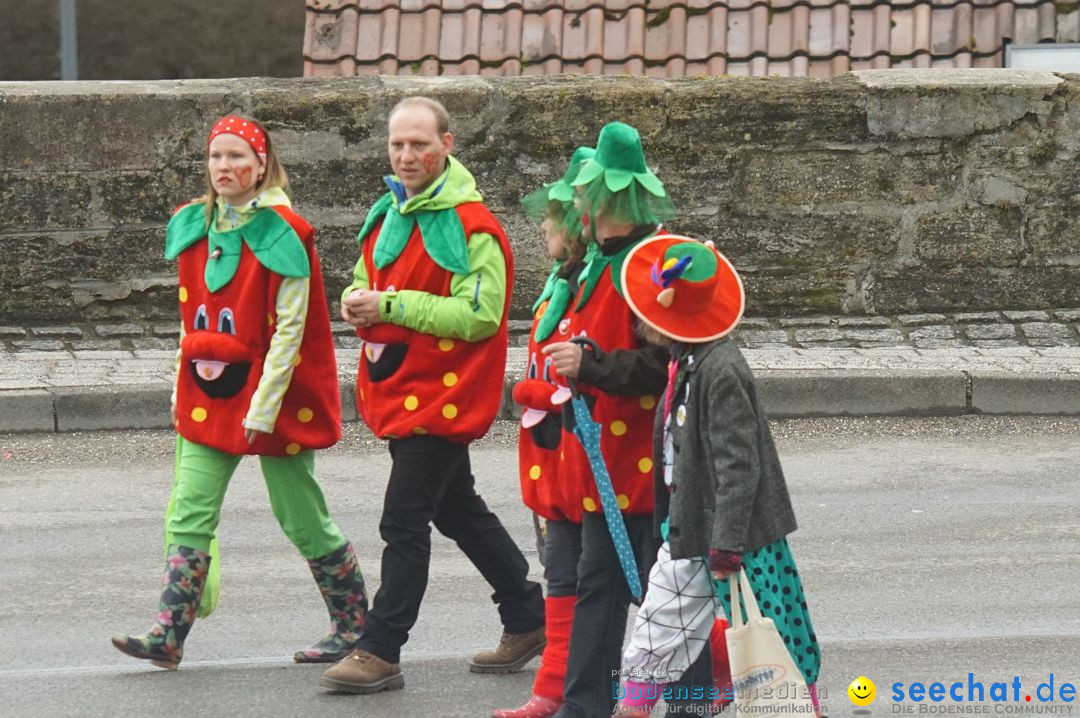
{"x": 879, "y": 192}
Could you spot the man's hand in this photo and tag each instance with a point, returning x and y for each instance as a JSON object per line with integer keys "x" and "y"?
{"x": 567, "y": 356}
{"x": 252, "y": 434}
{"x": 360, "y": 307}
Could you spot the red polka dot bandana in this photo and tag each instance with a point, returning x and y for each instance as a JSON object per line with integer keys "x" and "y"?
{"x": 243, "y": 129}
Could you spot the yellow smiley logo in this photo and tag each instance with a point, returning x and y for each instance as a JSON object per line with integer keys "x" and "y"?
{"x": 862, "y": 691}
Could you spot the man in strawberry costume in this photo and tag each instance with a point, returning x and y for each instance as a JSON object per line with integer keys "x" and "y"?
{"x": 429, "y": 300}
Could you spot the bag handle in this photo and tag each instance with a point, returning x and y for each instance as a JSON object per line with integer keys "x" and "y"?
{"x": 753, "y": 613}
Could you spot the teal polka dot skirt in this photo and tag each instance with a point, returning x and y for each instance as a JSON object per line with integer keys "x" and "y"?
{"x": 779, "y": 593}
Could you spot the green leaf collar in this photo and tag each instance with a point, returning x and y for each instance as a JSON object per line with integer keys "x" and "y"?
{"x": 270, "y": 238}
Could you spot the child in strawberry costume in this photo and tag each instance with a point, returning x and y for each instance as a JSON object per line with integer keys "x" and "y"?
{"x": 255, "y": 375}
{"x": 621, "y": 377}
{"x": 542, "y": 445}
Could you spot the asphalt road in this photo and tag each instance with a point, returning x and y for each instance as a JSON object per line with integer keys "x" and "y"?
{"x": 930, "y": 549}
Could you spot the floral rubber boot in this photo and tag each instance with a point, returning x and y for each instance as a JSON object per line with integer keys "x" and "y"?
{"x": 342, "y": 587}
{"x": 185, "y": 577}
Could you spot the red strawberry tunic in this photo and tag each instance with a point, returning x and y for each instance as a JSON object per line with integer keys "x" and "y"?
{"x": 626, "y": 421}
{"x": 227, "y": 335}
{"x": 544, "y": 448}
{"x": 420, "y": 383}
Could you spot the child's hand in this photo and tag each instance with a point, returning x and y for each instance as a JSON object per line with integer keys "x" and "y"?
{"x": 567, "y": 357}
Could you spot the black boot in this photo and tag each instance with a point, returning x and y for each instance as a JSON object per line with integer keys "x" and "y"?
{"x": 342, "y": 586}
{"x": 163, "y": 645}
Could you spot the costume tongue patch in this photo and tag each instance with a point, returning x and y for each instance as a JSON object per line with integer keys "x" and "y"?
{"x": 561, "y": 396}
{"x": 227, "y": 379}
{"x": 209, "y": 370}
{"x": 532, "y": 417}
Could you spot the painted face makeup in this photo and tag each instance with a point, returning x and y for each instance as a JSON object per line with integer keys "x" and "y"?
{"x": 416, "y": 149}
{"x": 235, "y": 170}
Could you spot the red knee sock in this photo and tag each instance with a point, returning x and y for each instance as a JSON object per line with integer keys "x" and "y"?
{"x": 721, "y": 669}
{"x": 559, "y": 612}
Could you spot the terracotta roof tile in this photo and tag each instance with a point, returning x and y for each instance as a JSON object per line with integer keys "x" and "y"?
{"x": 671, "y": 38}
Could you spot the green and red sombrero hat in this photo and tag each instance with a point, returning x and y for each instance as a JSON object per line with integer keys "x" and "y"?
{"x": 683, "y": 288}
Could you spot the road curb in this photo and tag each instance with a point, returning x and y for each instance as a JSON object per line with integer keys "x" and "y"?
{"x": 864, "y": 392}
{"x": 118, "y": 406}
{"x": 26, "y": 410}
{"x": 785, "y": 393}
{"x": 998, "y": 393}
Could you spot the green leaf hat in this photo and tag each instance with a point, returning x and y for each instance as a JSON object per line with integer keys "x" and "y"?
{"x": 618, "y": 184}
{"x": 556, "y": 199}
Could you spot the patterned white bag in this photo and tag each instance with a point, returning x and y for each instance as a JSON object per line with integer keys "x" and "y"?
{"x": 765, "y": 678}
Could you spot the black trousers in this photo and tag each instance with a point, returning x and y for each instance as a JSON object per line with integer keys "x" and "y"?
{"x": 431, "y": 482}
{"x": 562, "y": 551}
{"x": 600, "y": 614}
{"x": 698, "y": 677}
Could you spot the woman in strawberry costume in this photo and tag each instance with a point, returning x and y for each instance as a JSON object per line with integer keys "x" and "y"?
{"x": 255, "y": 375}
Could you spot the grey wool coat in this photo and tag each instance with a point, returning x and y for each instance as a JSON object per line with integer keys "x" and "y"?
{"x": 729, "y": 491}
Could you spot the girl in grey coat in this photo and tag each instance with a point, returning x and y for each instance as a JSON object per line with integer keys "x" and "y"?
{"x": 721, "y": 500}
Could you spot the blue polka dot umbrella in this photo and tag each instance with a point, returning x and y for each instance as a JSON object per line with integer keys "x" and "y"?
{"x": 588, "y": 433}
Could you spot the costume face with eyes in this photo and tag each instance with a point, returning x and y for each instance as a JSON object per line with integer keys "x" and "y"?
{"x": 541, "y": 398}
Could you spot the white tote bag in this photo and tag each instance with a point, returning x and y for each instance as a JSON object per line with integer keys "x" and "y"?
{"x": 766, "y": 680}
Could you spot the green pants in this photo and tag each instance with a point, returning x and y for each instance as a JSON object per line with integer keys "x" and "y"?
{"x": 297, "y": 501}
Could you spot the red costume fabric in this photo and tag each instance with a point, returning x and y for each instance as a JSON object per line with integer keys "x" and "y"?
{"x": 544, "y": 447}
{"x": 227, "y": 335}
{"x": 626, "y": 421}
{"x": 420, "y": 383}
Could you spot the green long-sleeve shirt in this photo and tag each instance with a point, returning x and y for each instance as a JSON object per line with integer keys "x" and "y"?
{"x": 473, "y": 310}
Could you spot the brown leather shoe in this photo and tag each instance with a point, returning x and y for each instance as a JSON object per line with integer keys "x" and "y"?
{"x": 362, "y": 672}
{"x": 514, "y": 651}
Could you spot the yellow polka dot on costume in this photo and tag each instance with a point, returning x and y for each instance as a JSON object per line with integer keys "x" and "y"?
{"x": 648, "y": 403}
{"x": 588, "y": 503}
{"x": 305, "y": 415}
{"x": 449, "y": 411}
{"x": 298, "y": 360}
{"x": 411, "y": 402}
{"x": 419, "y": 430}
{"x": 449, "y": 378}
{"x": 446, "y": 344}
{"x": 644, "y": 464}
{"x": 618, "y": 428}
{"x": 269, "y": 320}
{"x": 623, "y": 501}
{"x": 534, "y": 472}
{"x": 198, "y": 414}
{"x": 183, "y": 294}
{"x": 292, "y": 449}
